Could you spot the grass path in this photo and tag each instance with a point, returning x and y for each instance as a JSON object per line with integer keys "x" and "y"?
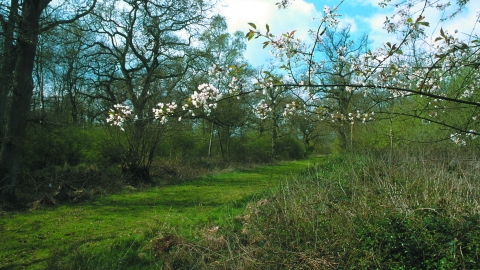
{"x": 30, "y": 239}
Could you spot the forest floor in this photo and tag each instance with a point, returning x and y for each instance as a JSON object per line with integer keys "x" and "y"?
{"x": 107, "y": 226}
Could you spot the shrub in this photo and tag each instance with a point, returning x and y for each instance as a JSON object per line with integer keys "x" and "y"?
{"x": 258, "y": 149}
{"x": 290, "y": 148}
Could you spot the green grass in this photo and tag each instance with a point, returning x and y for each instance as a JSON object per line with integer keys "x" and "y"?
{"x": 112, "y": 231}
{"x": 407, "y": 210}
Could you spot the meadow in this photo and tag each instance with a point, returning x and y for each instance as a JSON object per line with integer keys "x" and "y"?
{"x": 115, "y": 232}
{"x": 402, "y": 209}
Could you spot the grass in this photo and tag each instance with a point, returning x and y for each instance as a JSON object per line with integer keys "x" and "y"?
{"x": 362, "y": 211}
{"x": 113, "y": 232}
{"x": 401, "y": 210}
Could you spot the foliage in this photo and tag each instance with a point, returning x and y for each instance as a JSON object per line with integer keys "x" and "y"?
{"x": 140, "y": 64}
{"x": 352, "y": 83}
{"x": 289, "y": 148}
{"x": 424, "y": 240}
{"x": 70, "y": 145}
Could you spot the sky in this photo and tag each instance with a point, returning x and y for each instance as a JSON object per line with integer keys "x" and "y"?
{"x": 364, "y": 17}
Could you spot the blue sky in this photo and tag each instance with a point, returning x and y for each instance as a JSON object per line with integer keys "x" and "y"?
{"x": 364, "y": 16}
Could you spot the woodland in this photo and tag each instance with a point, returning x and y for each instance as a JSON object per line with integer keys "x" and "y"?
{"x": 99, "y": 98}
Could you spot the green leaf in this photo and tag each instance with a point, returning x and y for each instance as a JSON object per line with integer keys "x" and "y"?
{"x": 399, "y": 51}
{"x": 268, "y": 29}
{"x": 438, "y": 38}
{"x": 250, "y": 35}
{"x": 409, "y": 20}
{"x": 424, "y": 23}
{"x": 269, "y": 75}
{"x": 253, "y": 25}
{"x": 265, "y": 44}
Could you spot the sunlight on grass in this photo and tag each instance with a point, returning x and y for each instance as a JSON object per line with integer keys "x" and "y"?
{"x": 98, "y": 228}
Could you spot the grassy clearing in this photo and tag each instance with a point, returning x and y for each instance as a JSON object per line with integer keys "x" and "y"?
{"x": 362, "y": 211}
{"x": 407, "y": 210}
{"x": 113, "y": 232}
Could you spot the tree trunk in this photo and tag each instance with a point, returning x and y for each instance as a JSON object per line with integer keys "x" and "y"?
{"x": 16, "y": 121}
{"x": 8, "y": 61}
{"x": 342, "y": 134}
{"x": 274, "y": 137}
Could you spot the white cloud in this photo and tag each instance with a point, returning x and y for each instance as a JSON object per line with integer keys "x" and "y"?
{"x": 366, "y": 2}
{"x": 261, "y": 12}
{"x": 364, "y": 16}
{"x": 463, "y": 22}
{"x": 349, "y": 21}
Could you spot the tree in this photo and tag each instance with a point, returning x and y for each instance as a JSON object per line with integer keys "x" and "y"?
{"x": 8, "y": 58}
{"x": 338, "y": 50}
{"x": 22, "y": 85}
{"x": 442, "y": 76}
{"x": 270, "y": 108}
{"x": 308, "y": 123}
{"x": 354, "y": 88}
{"x": 147, "y": 47}
{"x": 224, "y": 64}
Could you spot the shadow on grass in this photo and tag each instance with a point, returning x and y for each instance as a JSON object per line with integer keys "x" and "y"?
{"x": 105, "y": 231}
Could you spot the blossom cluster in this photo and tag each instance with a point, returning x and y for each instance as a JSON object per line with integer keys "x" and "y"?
{"x": 358, "y": 116}
{"x": 351, "y": 117}
{"x": 118, "y": 115}
{"x": 220, "y": 74}
{"x": 164, "y": 110}
{"x": 330, "y": 16}
{"x": 292, "y": 108}
{"x": 206, "y": 98}
{"x": 262, "y": 109}
{"x": 215, "y": 71}
{"x": 461, "y": 138}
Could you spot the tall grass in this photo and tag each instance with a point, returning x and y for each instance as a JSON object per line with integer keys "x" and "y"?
{"x": 403, "y": 210}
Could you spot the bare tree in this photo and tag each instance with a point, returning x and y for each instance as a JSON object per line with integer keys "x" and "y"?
{"x": 30, "y": 25}
{"x": 146, "y": 48}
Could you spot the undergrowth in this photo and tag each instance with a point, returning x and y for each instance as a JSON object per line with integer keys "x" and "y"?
{"x": 357, "y": 211}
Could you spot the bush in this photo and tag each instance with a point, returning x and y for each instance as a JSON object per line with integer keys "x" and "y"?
{"x": 69, "y": 183}
{"x": 426, "y": 239}
{"x": 257, "y": 149}
{"x": 71, "y": 145}
{"x": 289, "y": 148}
